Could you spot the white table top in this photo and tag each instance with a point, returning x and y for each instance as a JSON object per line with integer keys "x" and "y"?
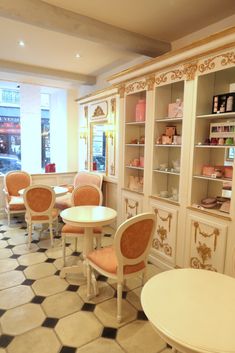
{"x": 59, "y": 191}
{"x": 194, "y": 308}
{"x": 86, "y": 216}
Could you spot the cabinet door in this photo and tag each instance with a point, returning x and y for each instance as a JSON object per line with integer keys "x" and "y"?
{"x": 164, "y": 241}
{"x": 132, "y": 204}
{"x": 207, "y": 244}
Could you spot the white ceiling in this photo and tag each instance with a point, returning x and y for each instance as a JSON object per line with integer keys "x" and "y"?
{"x": 52, "y": 49}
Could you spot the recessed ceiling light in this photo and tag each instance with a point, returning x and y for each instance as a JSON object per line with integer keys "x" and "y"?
{"x": 78, "y": 55}
{"x": 21, "y": 43}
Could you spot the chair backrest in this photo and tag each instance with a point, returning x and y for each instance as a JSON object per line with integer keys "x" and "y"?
{"x": 15, "y": 181}
{"x": 86, "y": 195}
{"x": 88, "y": 179}
{"x": 39, "y": 199}
{"x": 132, "y": 242}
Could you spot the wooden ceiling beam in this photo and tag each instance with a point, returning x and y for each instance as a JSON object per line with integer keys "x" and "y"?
{"x": 47, "y": 16}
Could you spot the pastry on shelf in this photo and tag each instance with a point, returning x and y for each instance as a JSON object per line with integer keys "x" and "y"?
{"x": 209, "y": 202}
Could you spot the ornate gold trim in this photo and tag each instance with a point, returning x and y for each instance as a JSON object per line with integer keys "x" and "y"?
{"x": 173, "y": 53}
{"x": 150, "y": 80}
{"x": 215, "y": 233}
{"x": 98, "y": 112}
{"x": 129, "y": 206}
{"x": 160, "y": 244}
{"x": 113, "y": 105}
{"x": 209, "y": 64}
{"x": 164, "y": 219}
{"x": 121, "y": 91}
{"x": 138, "y": 85}
{"x": 204, "y": 252}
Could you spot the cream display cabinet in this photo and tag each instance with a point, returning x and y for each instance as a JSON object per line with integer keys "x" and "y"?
{"x": 178, "y": 161}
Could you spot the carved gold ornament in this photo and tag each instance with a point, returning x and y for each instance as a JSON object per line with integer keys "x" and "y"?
{"x": 98, "y": 112}
{"x": 160, "y": 243}
{"x": 164, "y": 219}
{"x": 150, "y": 82}
{"x": 113, "y": 105}
{"x": 131, "y": 207}
{"x": 204, "y": 253}
{"x": 190, "y": 70}
{"x": 215, "y": 233}
{"x": 86, "y": 111}
{"x": 121, "y": 91}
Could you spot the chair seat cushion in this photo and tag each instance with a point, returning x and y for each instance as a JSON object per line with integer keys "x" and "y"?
{"x": 43, "y": 217}
{"x": 78, "y": 230}
{"x": 63, "y": 202}
{"x": 16, "y": 203}
{"x": 106, "y": 259}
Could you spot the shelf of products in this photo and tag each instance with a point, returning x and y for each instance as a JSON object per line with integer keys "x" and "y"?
{"x": 135, "y": 141}
{"x": 214, "y": 143}
{"x": 168, "y": 139}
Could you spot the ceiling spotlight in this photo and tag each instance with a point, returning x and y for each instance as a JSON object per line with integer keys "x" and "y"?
{"x": 78, "y": 55}
{"x": 21, "y": 43}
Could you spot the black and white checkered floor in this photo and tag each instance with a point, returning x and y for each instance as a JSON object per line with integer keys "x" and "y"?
{"x": 42, "y": 313}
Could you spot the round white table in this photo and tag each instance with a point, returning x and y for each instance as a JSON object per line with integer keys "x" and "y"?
{"x": 192, "y": 310}
{"x": 87, "y": 217}
{"x": 59, "y": 191}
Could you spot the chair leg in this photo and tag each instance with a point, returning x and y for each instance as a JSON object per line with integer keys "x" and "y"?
{"x": 76, "y": 244}
{"x": 9, "y": 219}
{"x": 98, "y": 242}
{"x": 88, "y": 271}
{"x": 51, "y": 234}
{"x": 119, "y": 302}
{"x": 63, "y": 248}
{"x": 143, "y": 277}
{"x": 29, "y": 235}
{"x": 56, "y": 226}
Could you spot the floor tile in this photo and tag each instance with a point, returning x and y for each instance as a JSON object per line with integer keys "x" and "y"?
{"x": 39, "y": 340}
{"x": 5, "y": 253}
{"x": 8, "y": 265}
{"x": 46, "y": 243}
{"x": 22, "y": 319}
{"x": 49, "y": 285}
{"x": 56, "y": 252}
{"x": 105, "y": 292}
{"x": 39, "y": 270}
{"x": 23, "y": 249}
{"x": 109, "y": 332}
{"x": 3, "y": 244}
{"x": 70, "y": 261}
{"x": 50, "y": 322}
{"x": 38, "y": 299}
{"x": 16, "y": 239}
{"x": 130, "y": 337}
{"x": 62, "y": 304}
{"x": 107, "y": 313}
{"x": 67, "y": 329}
{"x": 66, "y": 349}
{"x": 10, "y": 279}
{"x": 15, "y": 296}
{"x": 32, "y": 259}
{"x": 2, "y": 350}
{"x": 5, "y": 340}
{"x": 133, "y": 297}
{"x": 101, "y": 345}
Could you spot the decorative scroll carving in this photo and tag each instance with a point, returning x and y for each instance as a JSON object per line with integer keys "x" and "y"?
{"x": 161, "y": 78}
{"x": 215, "y": 233}
{"x": 209, "y": 64}
{"x": 160, "y": 244}
{"x": 164, "y": 219}
{"x": 113, "y": 105}
{"x": 204, "y": 252}
{"x": 131, "y": 207}
{"x": 138, "y": 85}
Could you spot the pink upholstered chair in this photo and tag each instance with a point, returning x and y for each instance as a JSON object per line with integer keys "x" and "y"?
{"x": 83, "y": 195}
{"x": 13, "y": 182}
{"x": 80, "y": 178}
{"x": 127, "y": 257}
{"x": 39, "y": 202}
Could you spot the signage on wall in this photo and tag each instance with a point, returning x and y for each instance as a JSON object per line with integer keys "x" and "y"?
{"x": 99, "y": 111}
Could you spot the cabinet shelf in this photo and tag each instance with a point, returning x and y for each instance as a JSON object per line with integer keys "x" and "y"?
{"x": 168, "y": 120}
{"x": 217, "y": 116}
{"x": 210, "y": 178}
{"x": 142, "y": 123}
{"x": 161, "y": 145}
{"x": 131, "y": 167}
{"x": 135, "y": 144}
{"x": 165, "y": 199}
{"x": 214, "y": 146}
{"x": 210, "y": 212}
{"x": 165, "y": 172}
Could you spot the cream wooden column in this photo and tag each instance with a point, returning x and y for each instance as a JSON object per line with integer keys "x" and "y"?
{"x": 30, "y": 121}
